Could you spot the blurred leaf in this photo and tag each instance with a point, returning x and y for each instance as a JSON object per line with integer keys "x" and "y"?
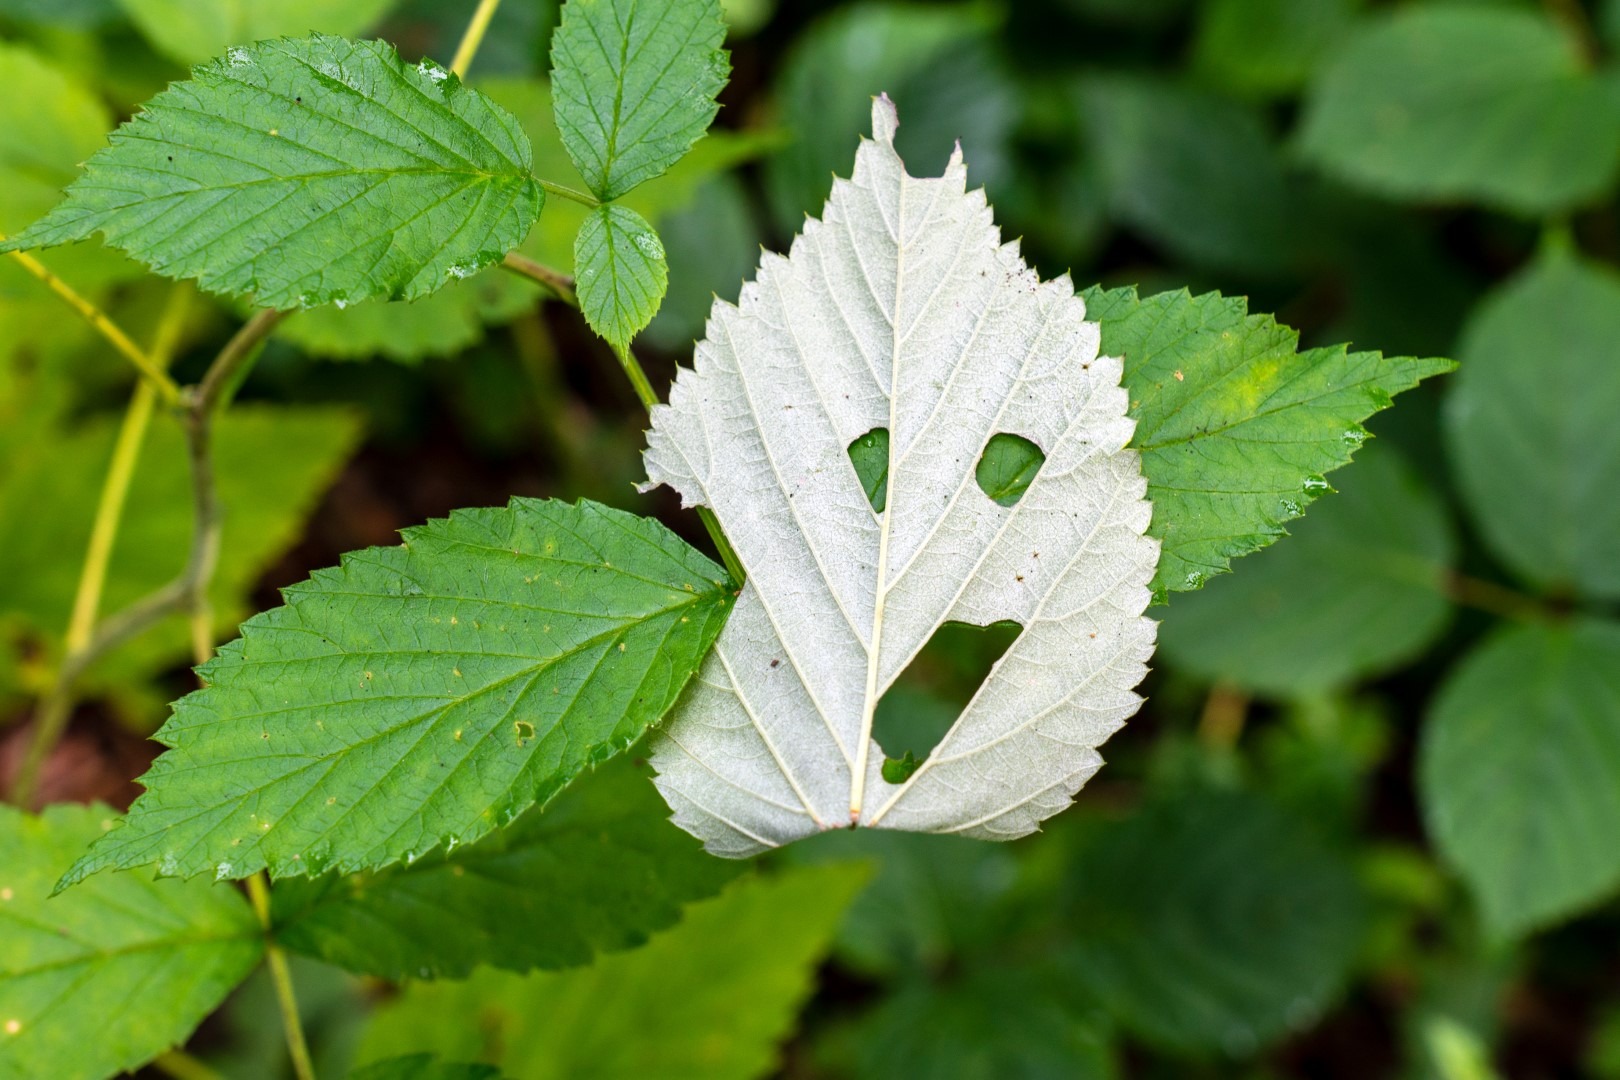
{"x": 1267, "y": 48}
{"x": 416, "y": 694}
{"x": 245, "y": 1043}
{"x": 595, "y": 870}
{"x": 107, "y": 976}
{"x": 1356, "y": 591}
{"x": 1316, "y": 761}
{"x": 1197, "y": 174}
{"x": 824, "y": 92}
{"x": 74, "y": 13}
{"x": 1212, "y": 921}
{"x": 1520, "y": 772}
{"x": 191, "y": 31}
{"x": 1486, "y": 102}
{"x": 1128, "y": 13}
{"x": 635, "y": 86}
{"x": 931, "y": 899}
{"x": 711, "y": 998}
{"x": 711, "y": 245}
{"x": 1008, "y": 1024}
{"x": 423, "y": 1067}
{"x": 1235, "y": 427}
{"x": 622, "y": 274}
{"x": 517, "y": 43}
{"x": 442, "y": 324}
{"x": 260, "y": 149}
{"x": 1531, "y": 428}
{"x": 271, "y": 465}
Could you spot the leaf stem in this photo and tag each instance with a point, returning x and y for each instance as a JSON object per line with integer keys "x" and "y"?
{"x": 473, "y": 37}
{"x": 1226, "y": 710}
{"x": 182, "y": 1066}
{"x": 559, "y": 283}
{"x": 563, "y": 286}
{"x": 297, "y": 1045}
{"x": 150, "y": 369}
{"x": 1494, "y": 599}
{"x": 568, "y": 193}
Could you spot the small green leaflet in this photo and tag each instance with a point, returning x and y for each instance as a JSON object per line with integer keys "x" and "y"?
{"x": 107, "y": 976}
{"x": 420, "y": 696}
{"x": 597, "y": 869}
{"x": 1520, "y": 772}
{"x": 305, "y": 172}
{"x": 622, "y": 274}
{"x": 1235, "y": 427}
{"x": 635, "y": 83}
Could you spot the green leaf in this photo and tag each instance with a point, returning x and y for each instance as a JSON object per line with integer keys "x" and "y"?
{"x": 870, "y": 456}
{"x": 1357, "y": 591}
{"x": 422, "y": 1067}
{"x": 1007, "y": 1022}
{"x": 622, "y": 276}
{"x": 107, "y": 976}
{"x": 271, "y": 465}
{"x": 191, "y": 32}
{"x": 304, "y": 172}
{"x": 597, "y": 869}
{"x": 1235, "y": 427}
{"x": 1195, "y": 173}
{"x": 1520, "y": 772}
{"x": 1212, "y": 921}
{"x": 932, "y": 898}
{"x": 1268, "y": 47}
{"x": 1530, "y": 424}
{"x": 422, "y": 695}
{"x": 1492, "y": 103}
{"x": 1008, "y": 467}
{"x": 635, "y": 84}
{"x": 710, "y": 998}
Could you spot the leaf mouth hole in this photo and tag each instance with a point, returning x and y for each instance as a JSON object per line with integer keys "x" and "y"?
{"x": 1007, "y": 467}
{"x": 919, "y": 708}
{"x": 870, "y": 455}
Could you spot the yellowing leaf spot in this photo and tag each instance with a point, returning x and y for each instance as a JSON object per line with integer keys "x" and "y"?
{"x": 458, "y": 734}
{"x": 13, "y": 1027}
{"x": 525, "y": 731}
{"x": 454, "y": 621}
{"x": 6, "y": 895}
{"x": 1180, "y": 377}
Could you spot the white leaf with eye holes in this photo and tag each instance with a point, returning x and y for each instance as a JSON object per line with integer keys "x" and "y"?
{"x": 902, "y": 309}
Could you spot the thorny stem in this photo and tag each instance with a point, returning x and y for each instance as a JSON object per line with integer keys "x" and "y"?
{"x": 473, "y": 37}
{"x": 276, "y": 959}
{"x": 186, "y": 593}
{"x": 150, "y": 369}
{"x": 563, "y": 286}
{"x": 568, "y": 193}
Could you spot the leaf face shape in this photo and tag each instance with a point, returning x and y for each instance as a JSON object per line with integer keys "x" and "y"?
{"x": 902, "y": 309}
{"x": 305, "y": 172}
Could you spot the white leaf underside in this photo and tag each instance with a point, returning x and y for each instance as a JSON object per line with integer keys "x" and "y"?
{"x": 902, "y": 309}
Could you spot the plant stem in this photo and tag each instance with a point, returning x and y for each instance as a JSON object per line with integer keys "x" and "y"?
{"x": 1226, "y": 710}
{"x": 1494, "y": 599}
{"x": 149, "y": 368}
{"x": 186, "y": 593}
{"x": 297, "y": 1045}
{"x": 182, "y": 1066}
{"x": 638, "y": 377}
{"x": 559, "y": 283}
{"x": 115, "y": 489}
{"x": 473, "y": 37}
{"x": 568, "y": 193}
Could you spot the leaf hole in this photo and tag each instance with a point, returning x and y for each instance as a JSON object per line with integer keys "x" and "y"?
{"x": 1007, "y": 467}
{"x": 870, "y": 456}
{"x": 916, "y": 712}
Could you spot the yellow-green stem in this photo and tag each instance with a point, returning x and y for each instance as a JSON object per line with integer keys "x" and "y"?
{"x": 297, "y": 1045}
{"x": 572, "y": 195}
{"x": 473, "y": 37}
{"x": 149, "y": 368}
{"x": 182, "y": 1066}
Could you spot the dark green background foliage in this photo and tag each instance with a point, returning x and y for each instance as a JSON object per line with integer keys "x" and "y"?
{"x": 1368, "y": 822}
